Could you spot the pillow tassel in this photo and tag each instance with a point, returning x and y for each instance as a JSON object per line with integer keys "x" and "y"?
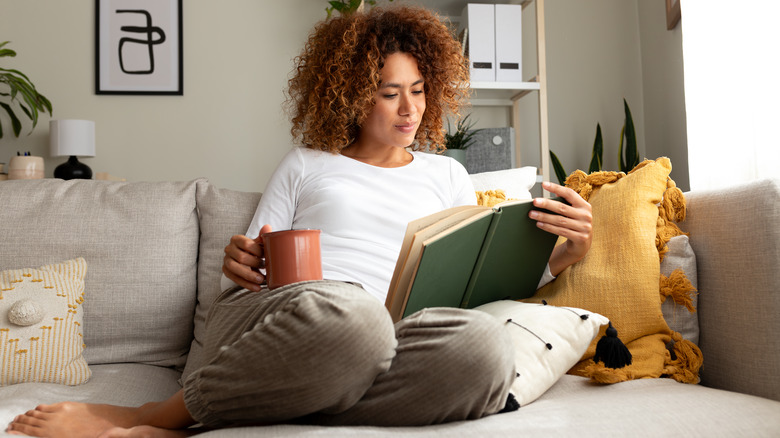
{"x": 611, "y": 350}
{"x": 511, "y": 404}
{"x": 686, "y": 362}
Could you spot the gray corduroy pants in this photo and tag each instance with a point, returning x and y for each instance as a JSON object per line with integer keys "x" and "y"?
{"x": 327, "y": 352}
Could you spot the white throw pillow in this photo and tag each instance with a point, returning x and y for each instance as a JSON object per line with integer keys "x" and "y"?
{"x": 534, "y": 328}
{"x": 516, "y": 183}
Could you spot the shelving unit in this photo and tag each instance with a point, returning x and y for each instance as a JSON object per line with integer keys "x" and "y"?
{"x": 508, "y": 94}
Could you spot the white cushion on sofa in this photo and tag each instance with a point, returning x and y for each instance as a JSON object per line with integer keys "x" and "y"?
{"x": 516, "y": 183}
{"x": 548, "y": 340}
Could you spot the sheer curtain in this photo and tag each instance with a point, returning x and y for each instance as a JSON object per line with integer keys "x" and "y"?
{"x": 731, "y": 53}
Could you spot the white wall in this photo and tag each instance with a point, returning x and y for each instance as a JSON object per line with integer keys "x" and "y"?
{"x": 229, "y": 126}
{"x": 666, "y": 133}
{"x": 598, "y": 52}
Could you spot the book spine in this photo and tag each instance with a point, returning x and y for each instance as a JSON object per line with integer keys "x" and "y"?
{"x": 496, "y": 217}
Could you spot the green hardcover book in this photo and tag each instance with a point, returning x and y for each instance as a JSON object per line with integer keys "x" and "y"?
{"x": 469, "y": 256}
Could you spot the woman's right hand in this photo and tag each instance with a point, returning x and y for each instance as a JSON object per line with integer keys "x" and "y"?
{"x": 243, "y": 259}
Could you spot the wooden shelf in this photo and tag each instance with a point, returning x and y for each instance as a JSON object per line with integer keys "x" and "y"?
{"x": 510, "y": 86}
{"x": 501, "y": 93}
{"x": 507, "y": 94}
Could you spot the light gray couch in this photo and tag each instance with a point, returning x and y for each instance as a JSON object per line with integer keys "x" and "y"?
{"x": 154, "y": 254}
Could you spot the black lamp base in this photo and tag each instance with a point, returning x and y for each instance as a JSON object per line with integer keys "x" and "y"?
{"x": 73, "y": 169}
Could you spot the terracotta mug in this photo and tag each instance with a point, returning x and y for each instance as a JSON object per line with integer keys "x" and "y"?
{"x": 292, "y": 256}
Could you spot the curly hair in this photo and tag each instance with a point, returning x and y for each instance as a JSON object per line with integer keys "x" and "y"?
{"x": 336, "y": 77}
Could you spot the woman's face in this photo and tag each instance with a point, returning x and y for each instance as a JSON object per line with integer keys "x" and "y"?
{"x": 400, "y": 104}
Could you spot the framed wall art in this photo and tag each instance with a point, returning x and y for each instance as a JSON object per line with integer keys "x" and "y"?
{"x": 138, "y": 47}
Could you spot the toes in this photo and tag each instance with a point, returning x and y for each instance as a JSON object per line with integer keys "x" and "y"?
{"x": 17, "y": 428}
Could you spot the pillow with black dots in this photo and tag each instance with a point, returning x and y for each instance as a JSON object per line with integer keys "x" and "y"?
{"x": 548, "y": 340}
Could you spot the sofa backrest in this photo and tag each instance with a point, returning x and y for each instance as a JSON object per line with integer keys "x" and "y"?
{"x": 736, "y": 237}
{"x": 140, "y": 241}
{"x": 222, "y": 214}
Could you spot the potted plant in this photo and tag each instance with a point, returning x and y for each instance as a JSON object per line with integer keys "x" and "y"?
{"x": 18, "y": 91}
{"x": 346, "y": 7}
{"x": 457, "y": 142}
{"x": 631, "y": 154}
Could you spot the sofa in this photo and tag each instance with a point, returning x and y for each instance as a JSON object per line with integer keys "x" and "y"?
{"x": 153, "y": 252}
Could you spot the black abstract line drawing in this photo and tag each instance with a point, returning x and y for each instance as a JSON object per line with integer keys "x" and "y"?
{"x": 154, "y": 36}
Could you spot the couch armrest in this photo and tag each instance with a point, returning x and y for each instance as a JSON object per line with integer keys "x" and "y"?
{"x": 735, "y": 234}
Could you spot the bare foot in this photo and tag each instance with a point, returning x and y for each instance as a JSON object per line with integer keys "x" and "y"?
{"x": 72, "y": 420}
{"x": 147, "y": 432}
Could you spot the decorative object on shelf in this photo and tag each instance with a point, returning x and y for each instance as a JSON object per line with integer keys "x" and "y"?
{"x": 457, "y": 142}
{"x": 19, "y": 91}
{"x": 25, "y": 167}
{"x": 491, "y": 36}
{"x": 346, "y": 7}
{"x": 139, "y": 49}
{"x": 478, "y": 36}
{"x": 631, "y": 153}
{"x": 492, "y": 149}
{"x": 72, "y": 138}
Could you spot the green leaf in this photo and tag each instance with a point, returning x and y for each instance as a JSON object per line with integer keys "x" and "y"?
{"x": 21, "y": 92}
{"x": 462, "y": 138}
{"x": 632, "y": 154}
{"x": 15, "y": 122}
{"x": 558, "y": 168}
{"x": 621, "y": 161}
{"x": 598, "y": 151}
{"x": 6, "y": 52}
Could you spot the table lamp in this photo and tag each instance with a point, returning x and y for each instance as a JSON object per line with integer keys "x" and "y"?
{"x": 72, "y": 138}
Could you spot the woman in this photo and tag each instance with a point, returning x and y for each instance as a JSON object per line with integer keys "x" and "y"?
{"x": 366, "y": 88}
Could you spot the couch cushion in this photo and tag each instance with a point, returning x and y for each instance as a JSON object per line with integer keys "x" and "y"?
{"x": 681, "y": 316}
{"x": 118, "y": 384}
{"x": 736, "y": 238}
{"x": 222, "y": 214}
{"x": 619, "y": 277}
{"x": 140, "y": 241}
{"x": 574, "y": 407}
{"x": 41, "y": 320}
{"x": 516, "y": 183}
{"x": 548, "y": 340}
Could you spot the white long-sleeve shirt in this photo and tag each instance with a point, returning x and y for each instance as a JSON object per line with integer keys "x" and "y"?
{"x": 360, "y": 238}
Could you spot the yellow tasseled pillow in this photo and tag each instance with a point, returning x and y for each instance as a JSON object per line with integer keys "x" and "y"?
{"x": 619, "y": 277}
{"x": 490, "y": 198}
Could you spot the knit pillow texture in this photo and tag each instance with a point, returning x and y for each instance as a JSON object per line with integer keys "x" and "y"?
{"x": 548, "y": 340}
{"x": 633, "y": 219}
{"x": 41, "y": 317}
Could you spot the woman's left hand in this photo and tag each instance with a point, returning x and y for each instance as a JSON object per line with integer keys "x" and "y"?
{"x": 573, "y": 222}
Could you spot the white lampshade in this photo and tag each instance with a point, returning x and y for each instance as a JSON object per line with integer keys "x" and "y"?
{"x": 72, "y": 138}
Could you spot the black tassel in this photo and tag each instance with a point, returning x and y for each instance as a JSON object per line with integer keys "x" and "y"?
{"x": 611, "y": 350}
{"x": 511, "y": 404}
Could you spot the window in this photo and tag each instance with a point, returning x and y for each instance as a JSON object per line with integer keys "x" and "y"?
{"x": 731, "y": 53}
